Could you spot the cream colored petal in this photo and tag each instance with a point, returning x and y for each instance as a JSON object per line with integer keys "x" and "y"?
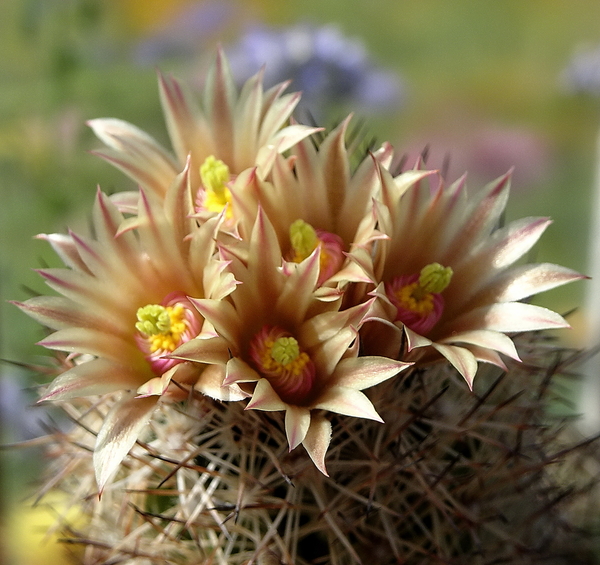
{"x": 262, "y": 281}
{"x": 485, "y": 338}
{"x": 125, "y": 201}
{"x": 98, "y": 376}
{"x": 400, "y": 184}
{"x": 238, "y": 371}
{"x": 415, "y": 340}
{"x": 461, "y": 359}
{"x": 129, "y": 224}
{"x": 297, "y": 294}
{"x": 65, "y": 248}
{"x": 283, "y": 199}
{"x": 211, "y": 384}
{"x": 203, "y": 246}
{"x": 329, "y": 336}
{"x": 156, "y": 386}
{"x": 121, "y": 135}
{"x": 385, "y": 225}
{"x": 93, "y": 293}
{"x": 73, "y": 284}
{"x": 502, "y": 249}
{"x": 327, "y": 354}
{"x": 246, "y": 197}
{"x": 217, "y": 281}
{"x": 356, "y": 211}
{"x": 219, "y": 103}
{"x": 358, "y": 268}
{"x": 120, "y": 430}
{"x": 336, "y": 170}
{"x": 288, "y": 137}
{"x": 327, "y": 325}
{"x": 482, "y": 217}
{"x": 247, "y": 121}
{"x": 213, "y": 350}
{"x": 510, "y": 317}
{"x": 297, "y": 422}
{"x": 487, "y": 356}
{"x": 139, "y": 172}
{"x": 179, "y": 206}
{"x": 524, "y": 281}
{"x": 93, "y": 261}
{"x": 308, "y": 175}
{"x": 327, "y": 294}
{"x": 512, "y": 242}
{"x": 94, "y": 342}
{"x": 159, "y": 239}
{"x": 265, "y": 398}
{"x": 278, "y": 108}
{"x": 364, "y": 372}
{"x": 222, "y": 315}
{"x": 347, "y": 401}
{"x": 366, "y": 233}
{"x": 317, "y": 441}
{"x": 58, "y": 312}
{"x": 385, "y": 154}
{"x": 363, "y": 259}
{"x": 125, "y": 249}
{"x": 136, "y": 153}
{"x": 188, "y": 130}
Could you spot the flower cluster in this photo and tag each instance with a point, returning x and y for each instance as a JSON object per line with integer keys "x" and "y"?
{"x": 254, "y": 265}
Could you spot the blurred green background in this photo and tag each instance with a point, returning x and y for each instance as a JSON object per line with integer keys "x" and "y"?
{"x": 483, "y": 88}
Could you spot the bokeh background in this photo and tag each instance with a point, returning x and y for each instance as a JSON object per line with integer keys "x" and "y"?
{"x": 482, "y": 85}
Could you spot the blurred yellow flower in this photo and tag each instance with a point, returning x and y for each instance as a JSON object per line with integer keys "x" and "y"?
{"x": 32, "y": 534}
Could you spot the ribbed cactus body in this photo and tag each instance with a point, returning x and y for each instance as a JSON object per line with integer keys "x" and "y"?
{"x": 451, "y": 477}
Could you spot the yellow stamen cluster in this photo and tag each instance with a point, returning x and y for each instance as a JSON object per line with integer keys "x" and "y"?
{"x": 411, "y": 297}
{"x": 418, "y": 296}
{"x": 283, "y": 355}
{"x": 163, "y": 326}
{"x": 304, "y": 240}
{"x": 215, "y": 176}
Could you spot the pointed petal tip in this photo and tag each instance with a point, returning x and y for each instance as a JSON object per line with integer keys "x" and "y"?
{"x": 503, "y": 182}
{"x": 317, "y": 442}
{"x": 163, "y": 79}
{"x": 94, "y": 123}
{"x": 118, "y": 434}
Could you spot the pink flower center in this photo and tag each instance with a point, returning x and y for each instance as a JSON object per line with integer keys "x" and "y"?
{"x": 162, "y": 328}
{"x": 277, "y": 356}
{"x": 417, "y": 298}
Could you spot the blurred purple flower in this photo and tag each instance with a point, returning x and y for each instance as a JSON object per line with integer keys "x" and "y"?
{"x": 20, "y": 417}
{"x": 582, "y": 74}
{"x": 330, "y": 69}
{"x": 191, "y": 29}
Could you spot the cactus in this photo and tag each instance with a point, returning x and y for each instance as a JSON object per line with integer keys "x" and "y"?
{"x": 451, "y": 477}
{"x": 280, "y": 352}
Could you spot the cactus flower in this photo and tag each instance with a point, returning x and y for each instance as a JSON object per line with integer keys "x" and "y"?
{"x": 124, "y": 308}
{"x": 240, "y": 130}
{"x": 287, "y": 347}
{"x": 446, "y": 276}
{"x": 322, "y": 201}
